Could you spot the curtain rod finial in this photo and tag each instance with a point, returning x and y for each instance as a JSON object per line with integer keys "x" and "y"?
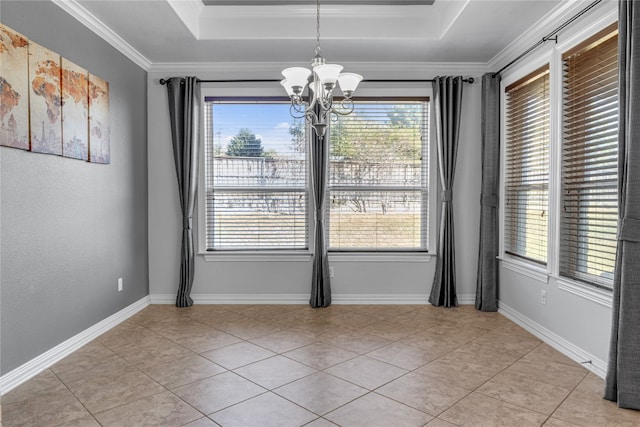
{"x": 163, "y": 81}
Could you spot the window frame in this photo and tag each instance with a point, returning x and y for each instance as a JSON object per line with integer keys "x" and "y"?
{"x": 553, "y": 55}
{"x": 250, "y": 92}
{"x": 425, "y": 184}
{"x": 390, "y": 90}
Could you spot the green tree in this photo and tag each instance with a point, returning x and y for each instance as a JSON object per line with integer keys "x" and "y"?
{"x": 296, "y": 130}
{"x": 245, "y": 144}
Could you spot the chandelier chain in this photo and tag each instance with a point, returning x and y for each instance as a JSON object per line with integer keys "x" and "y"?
{"x": 318, "y": 27}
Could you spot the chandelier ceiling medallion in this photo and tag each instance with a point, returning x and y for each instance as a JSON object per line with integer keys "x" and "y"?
{"x": 321, "y": 80}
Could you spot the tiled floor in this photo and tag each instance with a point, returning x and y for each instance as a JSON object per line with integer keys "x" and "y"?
{"x": 287, "y": 365}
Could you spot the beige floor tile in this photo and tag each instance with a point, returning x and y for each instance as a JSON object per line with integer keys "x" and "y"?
{"x": 151, "y": 351}
{"x": 163, "y": 409}
{"x": 358, "y": 341}
{"x": 89, "y": 357}
{"x": 42, "y": 383}
{"x": 86, "y": 421}
{"x": 373, "y": 410}
{"x": 320, "y": 392}
{"x": 267, "y": 410}
{"x": 52, "y": 407}
{"x": 402, "y": 355}
{"x": 422, "y": 393}
{"x": 321, "y": 355}
{"x": 249, "y": 329}
{"x": 391, "y": 330}
{"x": 320, "y": 422}
{"x": 478, "y": 410}
{"x": 275, "y": 372}
{"x": 110, "y": 389}
{"x": 437, "y": 422}
{"x": 463, "y": 374}
{"x": 586, "y": 409}
{"x": 218, "y": 392}
{"x": 525, "y": 392}
{"x": 516, "y": 345}
{"x": 546, "y": 352}
{"x": 366, "y": 372}
{"x": 236, "y": 355}
{"x": 198, "y": 337}
{"x": 558, "y": 374}
{"x": 202, "y": 422}
{"x": 466, "y": 350}
{"x": 555, "y": 422}
{"x": 591, "y": 384}
{"x": 182, "y": 371}
{"x": 283, "y": 341}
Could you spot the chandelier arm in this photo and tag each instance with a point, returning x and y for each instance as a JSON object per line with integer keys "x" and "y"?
{"x": 295, "y": 112}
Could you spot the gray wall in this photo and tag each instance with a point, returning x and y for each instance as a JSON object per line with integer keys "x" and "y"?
{"x": 273, "y": 278}
{"x": 69, "y": 228}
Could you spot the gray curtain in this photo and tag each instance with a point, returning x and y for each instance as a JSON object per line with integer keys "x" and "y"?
{"x": 320, "y": 282}
{"x": 487, "y": 282}
{"x": 623, "y": 374}
{"x": 184, "y": 113}
{"x": 447, "y": 97}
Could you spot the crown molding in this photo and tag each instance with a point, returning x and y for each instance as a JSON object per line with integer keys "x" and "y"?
{"x": 544, "y": 26}
{"x": 371, "y": 70}
{"x": 73, "y": 8}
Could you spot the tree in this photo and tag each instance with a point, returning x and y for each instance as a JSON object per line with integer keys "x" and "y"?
{"x": 296, "y": 130}
{"x": 245, "y": 144}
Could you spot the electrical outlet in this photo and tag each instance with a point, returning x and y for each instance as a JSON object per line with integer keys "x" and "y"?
{"x": 543, "y": 296}
{"x": 120, "y": 285}
{"x": 330, "y": 271}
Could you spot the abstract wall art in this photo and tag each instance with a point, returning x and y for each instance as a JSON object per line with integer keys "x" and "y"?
{"x": 49, "y": 104}
{"x": 75, "y": 111}
{"x": 99, "y": 129}
{"x": 14, "y": 89}
{"x": 45, "y": 100}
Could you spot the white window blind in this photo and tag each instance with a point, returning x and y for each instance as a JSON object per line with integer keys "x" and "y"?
{"x": 527, "y": 167}
{"x": 255, "y": 176}
{"x": 590, "y": 160}
{"x": 378, "y": 177}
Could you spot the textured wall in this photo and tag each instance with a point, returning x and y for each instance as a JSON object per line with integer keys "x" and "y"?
{"x": 70, "y": 229}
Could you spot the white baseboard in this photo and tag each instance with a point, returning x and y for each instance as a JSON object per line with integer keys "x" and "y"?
{"x": 592, "y": 363}
{"x": 32, "y": 368}
{"x": 234, "y": 298}
{"x": 304, "y": 298}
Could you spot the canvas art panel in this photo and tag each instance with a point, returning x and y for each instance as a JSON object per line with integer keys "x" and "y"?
{"x": 45, "y": 100}
{"x": 75, "y": 111}
{"x": 99, "y": 129}
{"x": 14, "y": 89}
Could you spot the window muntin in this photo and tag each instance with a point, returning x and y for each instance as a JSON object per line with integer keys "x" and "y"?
{"x": 589, "y": 208}
{"x": 526, "y": 176}
{"x": 256, "y": 176}
{"x": 377, "y": 196}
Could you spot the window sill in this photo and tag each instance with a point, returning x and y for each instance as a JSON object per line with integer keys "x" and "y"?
{"x": 583, "y": 290}
{"x": 380, "y": 257}
{"x": 530, "y": 270}
{"x": 255, "y": 256}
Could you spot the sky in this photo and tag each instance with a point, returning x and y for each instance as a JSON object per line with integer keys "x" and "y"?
{"x": 270, "y": 123}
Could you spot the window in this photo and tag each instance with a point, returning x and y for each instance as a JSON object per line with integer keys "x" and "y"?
{"x": 527, "y": 167}
{"x": 378, "y": 182}
{"x": 589, "y": 209}
{"x": 255, "y": 176}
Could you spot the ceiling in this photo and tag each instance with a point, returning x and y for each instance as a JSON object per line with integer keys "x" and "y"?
{"x": 188, "y": 31}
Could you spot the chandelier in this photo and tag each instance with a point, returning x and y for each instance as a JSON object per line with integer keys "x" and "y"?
{"x": 321, "y": 80}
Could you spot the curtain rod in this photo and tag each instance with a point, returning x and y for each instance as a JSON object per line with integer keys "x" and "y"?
{"x": 551, "y": 36}
{"x": 469, "y": 80}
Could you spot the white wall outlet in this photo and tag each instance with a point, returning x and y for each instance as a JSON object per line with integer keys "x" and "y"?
{"x": 330, "y": 271}
{"x": 120, "y": 285}
{"x": 543, "y": 296}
